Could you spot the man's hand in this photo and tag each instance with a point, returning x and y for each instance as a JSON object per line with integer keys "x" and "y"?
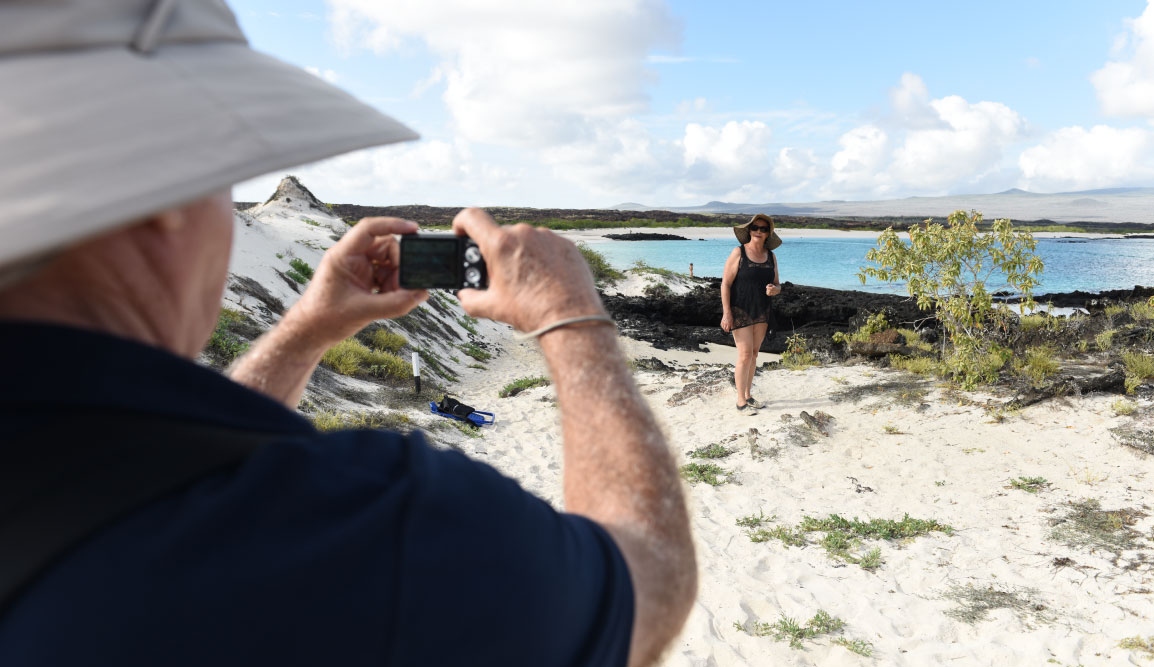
{"x": 536, "y": 278}
{"x": 355, "y": 284}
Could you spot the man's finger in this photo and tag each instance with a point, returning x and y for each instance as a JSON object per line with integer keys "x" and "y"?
{"x": 477, "y": 225}
{"x": 476, "y": 302}
{"x": 360, "y": 238}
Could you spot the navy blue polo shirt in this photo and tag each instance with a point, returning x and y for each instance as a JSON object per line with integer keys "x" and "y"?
{"x": 345, "y": 549}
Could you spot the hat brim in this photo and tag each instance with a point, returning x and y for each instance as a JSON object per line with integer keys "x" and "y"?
{"x": 92, "y": 139}
{"x": 743, "y": 234}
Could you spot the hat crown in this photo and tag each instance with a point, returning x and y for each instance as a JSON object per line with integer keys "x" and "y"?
{"x": 30, "y": 26}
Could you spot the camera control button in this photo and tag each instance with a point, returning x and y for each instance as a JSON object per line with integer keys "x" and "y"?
{"x": 472, "y": 255}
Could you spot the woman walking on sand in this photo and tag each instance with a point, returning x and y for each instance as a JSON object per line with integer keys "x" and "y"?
{"x": 749, "y": 279}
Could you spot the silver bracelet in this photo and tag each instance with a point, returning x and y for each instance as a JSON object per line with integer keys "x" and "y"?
{"x": 566, "y": 322}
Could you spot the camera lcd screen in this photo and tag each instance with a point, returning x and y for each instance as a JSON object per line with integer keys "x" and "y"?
{"x": 429, "y": 263}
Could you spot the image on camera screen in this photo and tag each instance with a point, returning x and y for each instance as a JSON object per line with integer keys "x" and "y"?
{"x": 429, "y": 264}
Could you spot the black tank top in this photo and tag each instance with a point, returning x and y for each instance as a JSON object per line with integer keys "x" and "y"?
{"x": 747, "y": 299}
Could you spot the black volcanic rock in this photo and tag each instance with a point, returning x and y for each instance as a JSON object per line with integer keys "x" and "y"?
{"x": 645, "y": 236}
{"x": 689, "y": 320}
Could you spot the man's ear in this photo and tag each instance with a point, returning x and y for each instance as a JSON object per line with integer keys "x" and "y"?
{"x": 172, "y": 220}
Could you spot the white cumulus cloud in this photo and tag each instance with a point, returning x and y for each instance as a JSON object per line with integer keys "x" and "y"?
{"x": 1075, "y": 158}
{"x": 1125, "y": 86}
{"x": 522, "y": 72}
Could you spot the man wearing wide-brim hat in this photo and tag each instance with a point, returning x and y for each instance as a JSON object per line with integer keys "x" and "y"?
{"x": 748, "y": 281}
{"x": 154, "y": 512}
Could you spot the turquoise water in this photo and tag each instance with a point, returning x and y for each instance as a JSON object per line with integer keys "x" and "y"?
{"x": 1071, "y": 264}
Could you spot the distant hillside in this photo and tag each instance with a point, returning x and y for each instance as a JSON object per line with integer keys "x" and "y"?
{"x": 1110, "y": 205}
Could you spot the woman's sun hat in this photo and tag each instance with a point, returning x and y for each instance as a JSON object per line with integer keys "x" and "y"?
{"x": 116, "y": 109}
{"x": 772, "y": 240}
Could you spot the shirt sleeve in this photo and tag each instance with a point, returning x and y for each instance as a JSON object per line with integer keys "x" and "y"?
{"x": 491, "y": 575}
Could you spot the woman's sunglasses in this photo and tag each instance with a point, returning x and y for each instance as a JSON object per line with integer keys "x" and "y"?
{"x": 759, "y": 228}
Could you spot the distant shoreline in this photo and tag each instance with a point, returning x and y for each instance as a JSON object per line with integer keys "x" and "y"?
{"x": 612, "y": 219}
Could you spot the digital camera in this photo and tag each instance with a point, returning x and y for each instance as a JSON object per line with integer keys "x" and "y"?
{"x": 441, "y": 261}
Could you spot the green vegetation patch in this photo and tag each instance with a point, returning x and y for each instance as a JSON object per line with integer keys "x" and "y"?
{"x": 709, "y": 473}
{"x": 384, "y": 340}
{"x": 1123, "y": 407}
{"x": 603, "y": 272}
{"x": 842, "y": 539}
{"x": 1029, "y": 484}
{"x": 467, "y": 429}
{"x": 713, "y": 451}
{"x": 1139, "y": 368}
{"x": 354, "y": 358}
{"x": 797, "y": 355}
{"x": 468, "y": 324}
{"x": 1086, "y": 524}
{"x": 324, "y": 420}
{"x": 975, "y": 604}
{"x": 301, "y": 271}
{"x": 641, "y": 267}
{"x": 228, "y": 339}
{"x": 310, "y": 222}
{"x": 519, "y": 385}
{"x": 474, "y": 351}
{"x": 1040, "y": 364}
{"x": 1137, "y": 643}
{"x": 788, "y": 629}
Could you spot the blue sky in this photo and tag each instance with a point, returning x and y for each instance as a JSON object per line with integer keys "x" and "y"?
{"x": 589, "y": 103}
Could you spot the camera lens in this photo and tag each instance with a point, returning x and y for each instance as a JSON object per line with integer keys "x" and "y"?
{"x": 472, "y": 255}
{"x": 473, "y": 275}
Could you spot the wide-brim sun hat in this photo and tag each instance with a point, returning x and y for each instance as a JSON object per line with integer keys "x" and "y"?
{"x": 772, "y": 240}
{"x": 113, "y": 110}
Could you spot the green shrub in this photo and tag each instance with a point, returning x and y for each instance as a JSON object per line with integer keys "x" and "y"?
{"x": 387, "y": 341}
{"x": 974, "y": 362}
{"x": 641, "y": 267}
{"x": 302, "y": 269}
{"x": 310, "y": 222}
{"x": 1139, "y": 368}
{"x": 876, "y": 323}
{"x": 1122, "y": 407}
{"x": 603, "y": 272}
{"x": 354, "y": 358}
{"x": 1040, "y": 363}
{"x": 949, "y": 269}
{"x": 1105, "y": 340}
{"x": 916, "y": 365}
{"x": 1143, "y": 310}
{"x": 468, "y": 324}
{"x": 914, "y": 340}
{"x": 476, "y": 352}
{"x": 324, "y": 420}
{"x": 710, "y": 473}
{"x": 517, "y": 386}
{"x": 223, "y": 343}
{"x": 797, "y": 356}
{"x": 1039, "y": 321}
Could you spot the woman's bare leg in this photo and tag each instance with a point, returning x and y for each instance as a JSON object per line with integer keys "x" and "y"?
{"x": 758, "y": 337}
{"x": 746, "y": 341}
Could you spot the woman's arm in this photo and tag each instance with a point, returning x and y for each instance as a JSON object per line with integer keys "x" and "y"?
{"x": 727, "y": 277}
{"x": 774, "y": 288}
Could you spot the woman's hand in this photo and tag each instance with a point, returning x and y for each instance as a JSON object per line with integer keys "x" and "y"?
{"x": 772, "y": 290}
{"x": 727, "y": 322}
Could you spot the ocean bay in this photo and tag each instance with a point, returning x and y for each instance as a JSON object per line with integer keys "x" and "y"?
{"x": 1089, "y": 264}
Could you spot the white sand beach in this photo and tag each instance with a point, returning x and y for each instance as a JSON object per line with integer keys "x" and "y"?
{"x": 1055, "y": 570}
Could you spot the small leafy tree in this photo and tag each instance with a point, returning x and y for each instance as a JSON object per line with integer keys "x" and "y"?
{"x": 949, "y": 268}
